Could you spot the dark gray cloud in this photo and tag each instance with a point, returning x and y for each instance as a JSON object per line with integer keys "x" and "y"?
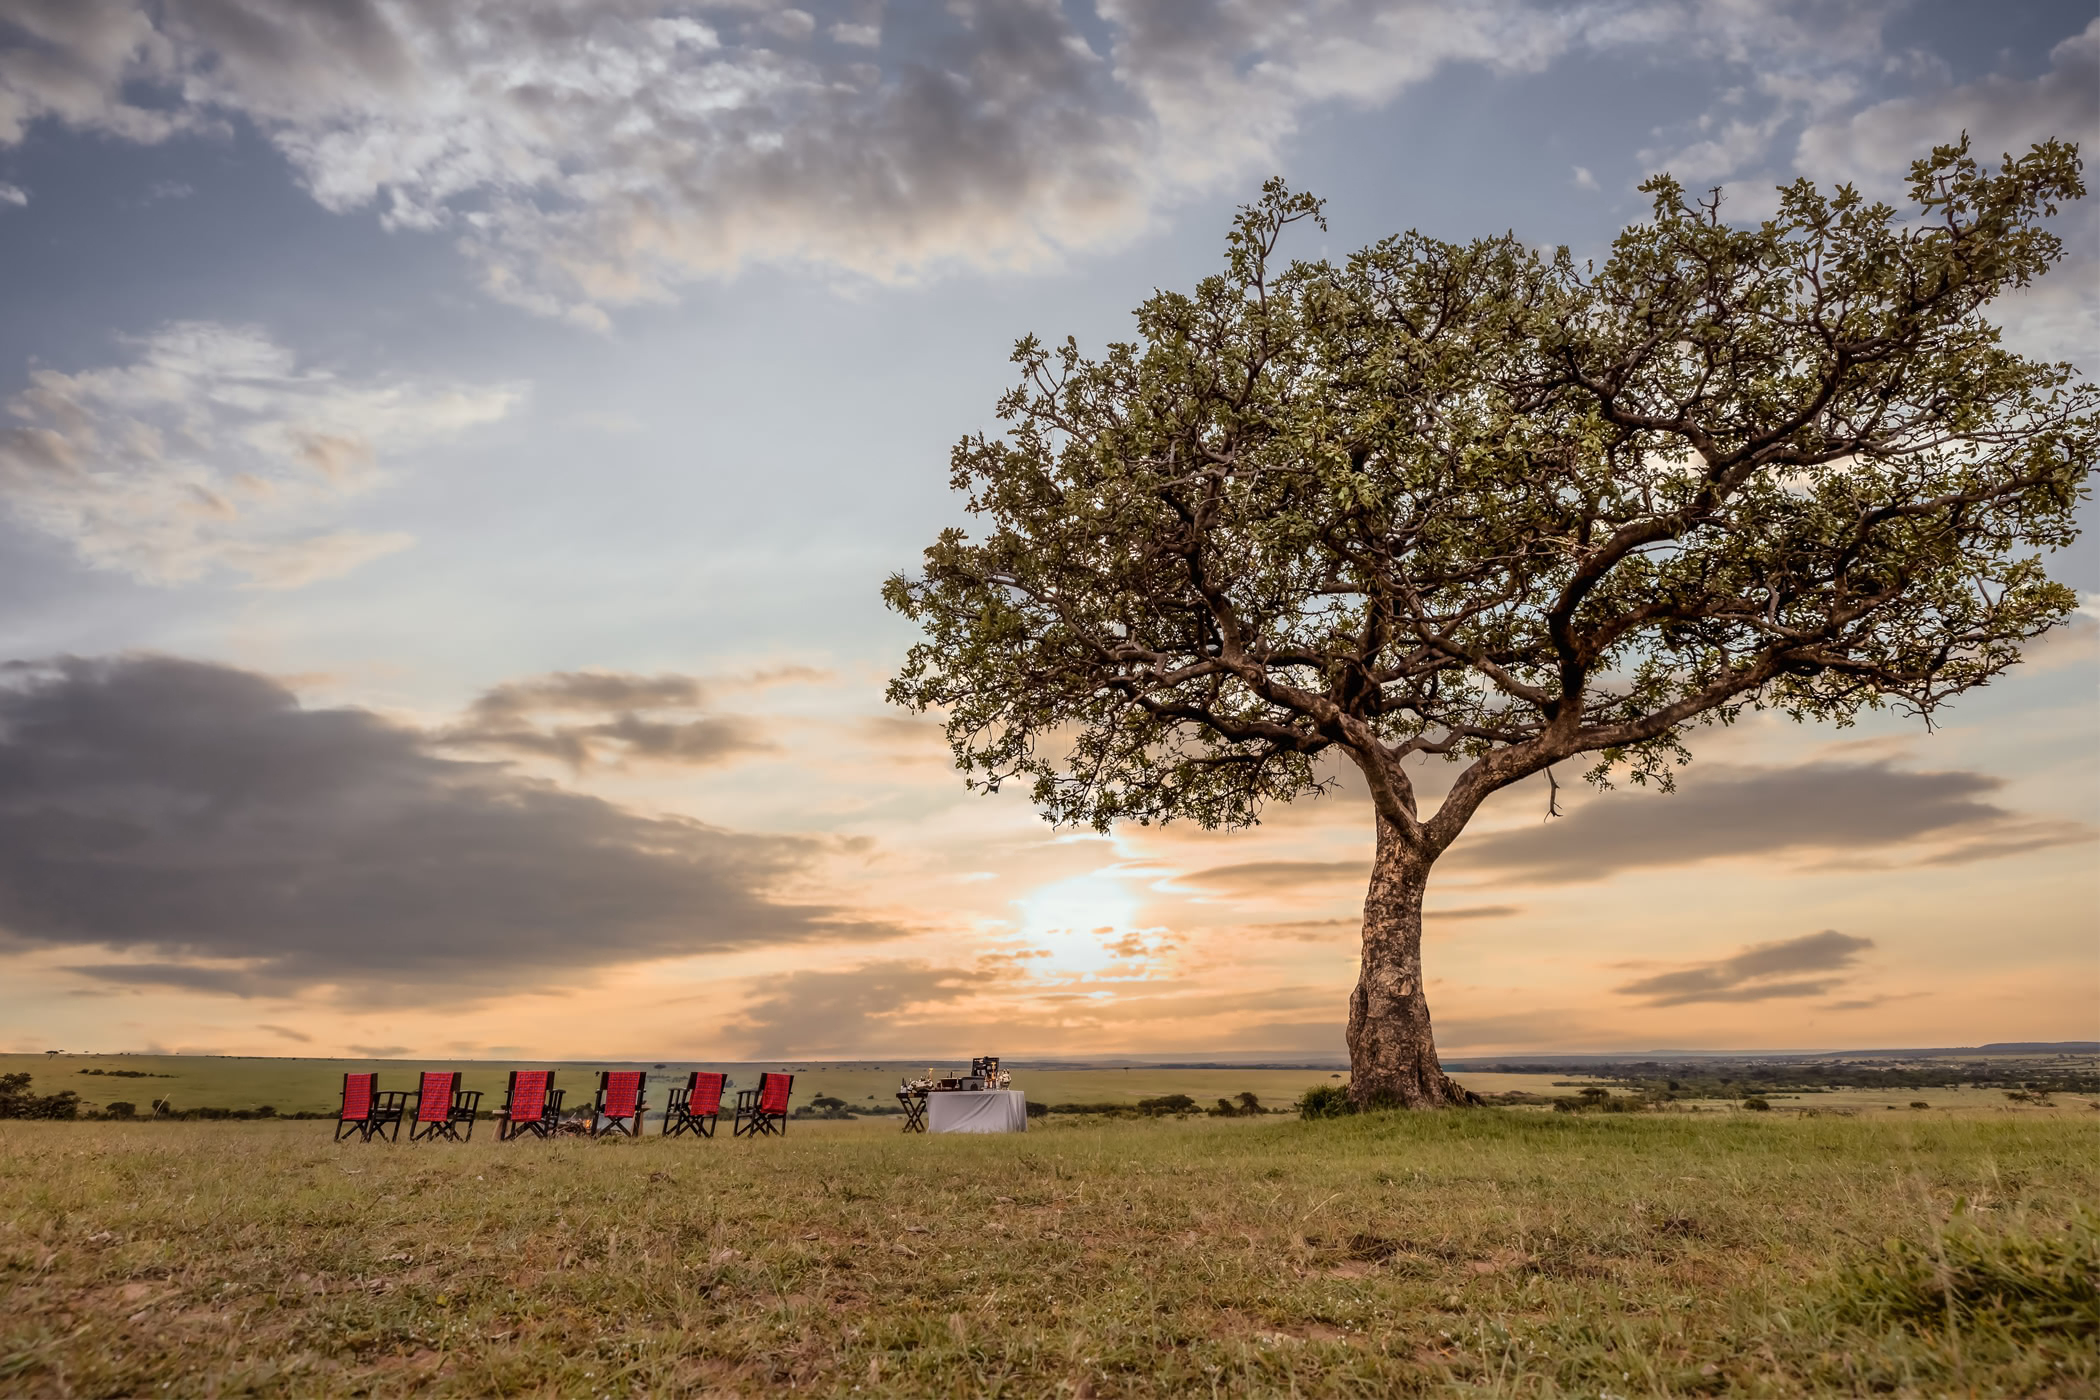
{"x": 633, "y": 719}
{"x": 1823, "y": 811}
{"x": 1807, "y": 966}
{"x": 585, "y": 690}
{"x": 197, "y": 818}
{"x": 181, "y": 976}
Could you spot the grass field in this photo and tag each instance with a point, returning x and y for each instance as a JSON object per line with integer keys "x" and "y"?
{"x": 1491, "y": 1252}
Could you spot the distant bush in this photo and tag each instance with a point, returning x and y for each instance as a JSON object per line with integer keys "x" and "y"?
{"x": 1325, "y": 1101}
{"x": 1919, "y": 1103}
{"x": 1038, "y": 1110}
{"x": 1246, "y": 1106}
{"x": 164, "y": 1110}
{"x": 1735, "y": 1078}
{"x": 1757, "y": 1105}
{"x": 1148, "y": 1108}
{"x": 121, "y": 1110}
{"x": 17, "y": 1101}
{"x": 1167, "y": 1103}
{"x": 1594, "y": 1099}
{"x": 823, "y": 1106}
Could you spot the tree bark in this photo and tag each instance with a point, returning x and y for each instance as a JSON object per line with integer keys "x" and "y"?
{"x": 1392, "y": 1054}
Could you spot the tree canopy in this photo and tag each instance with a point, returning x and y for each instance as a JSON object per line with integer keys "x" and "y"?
{"x": 1481, "y": 502}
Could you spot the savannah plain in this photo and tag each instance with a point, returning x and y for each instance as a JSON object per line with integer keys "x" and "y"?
{"x": 1840, "y": 1243}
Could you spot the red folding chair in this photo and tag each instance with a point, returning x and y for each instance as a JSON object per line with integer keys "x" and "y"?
{"x": 764, "y": 1109}
{"x": 441, "y": 1106}
{"x": 530, "y": 1105}
{"x": 696, "y": 1106}
{"x": 620, "y": 1104}
{"x": 368, "y": 1111}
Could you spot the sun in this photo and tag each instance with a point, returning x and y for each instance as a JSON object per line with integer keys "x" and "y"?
{"x": 1077, "y": 918}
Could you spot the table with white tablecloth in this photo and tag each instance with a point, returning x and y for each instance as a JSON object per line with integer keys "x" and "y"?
{"x": 977, "y": 1111}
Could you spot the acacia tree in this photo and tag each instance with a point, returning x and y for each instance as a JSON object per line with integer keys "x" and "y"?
{"x": 1506, "y": 509}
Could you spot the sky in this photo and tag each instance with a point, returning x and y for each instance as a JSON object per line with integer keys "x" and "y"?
{"x": 450, "y": 452}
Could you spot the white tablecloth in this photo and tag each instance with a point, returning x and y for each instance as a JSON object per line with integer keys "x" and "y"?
{"x": 977, "y": 1111}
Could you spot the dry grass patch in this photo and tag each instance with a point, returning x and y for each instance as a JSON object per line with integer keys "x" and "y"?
{"x": 1487, "y": 1253}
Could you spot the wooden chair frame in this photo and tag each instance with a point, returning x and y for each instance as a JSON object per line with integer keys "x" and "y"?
{"x": 764, "y": 1109}
{"x": 612, "y": 1113}
{"x": 428, "y": 1122}
{"x": 379, "y": 1110}
{"x": 695, "y": 1106}
{"x": 914, "y": 1102}
{"x": 514, "y": 1121}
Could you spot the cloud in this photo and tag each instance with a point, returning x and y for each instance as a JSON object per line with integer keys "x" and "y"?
{"x": 631, "y": 719}
{"x": 1827, "y": 811}
{"x": 1793, "y": 967}
{"x": 1819, "y": 96}
{"x": 844, "y": 1012}
{"x": 1309, "y": 930}
{"x": 1347, "y": 929}
{"x": 71, "y": 62}
{"x": 1260, "y": 877}
{"x": 1519, "y": 1032}
{"x": 793, "y": 25}
{"x": 378, "y": 1052}
{"x": 13, "y": 194}
{"x": 1873, "y": 147}
{"x": 1868, "y": 1003}
{"x": 1727, "y": 146}
{"x": 592, "y": 153}
{"x": 287, "y": 1032}
{"x": 212, "y": 451}
{"x": 585, "y": 690}
{"x": 182, "y": 977}
{"x": 201, "y": 829}
{"x": 2057, "y": 317}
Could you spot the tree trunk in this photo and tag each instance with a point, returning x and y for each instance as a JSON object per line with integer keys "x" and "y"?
{"x": 1392, "y": 1055}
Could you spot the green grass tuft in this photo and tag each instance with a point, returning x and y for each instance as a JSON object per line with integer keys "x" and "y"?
{"x": 2025, "y": 1282}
